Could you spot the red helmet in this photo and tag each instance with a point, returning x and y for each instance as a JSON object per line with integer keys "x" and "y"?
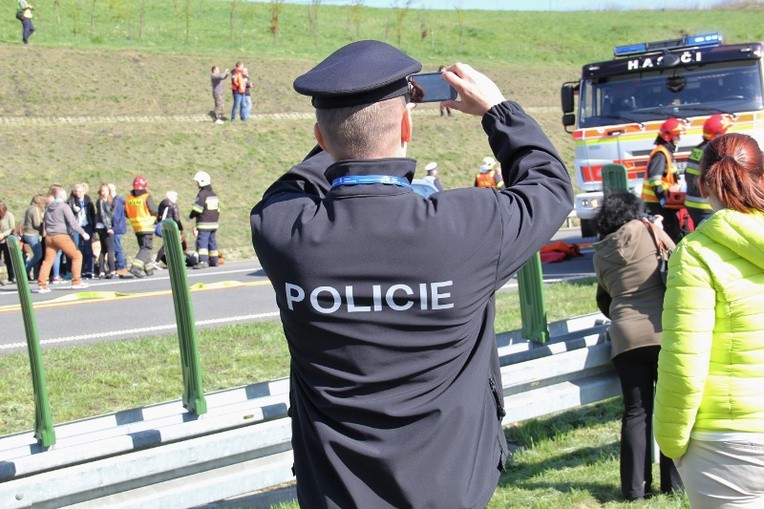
{"x": 716, "y": 125}
{"x": 670, "y": 128}
{"x": 140, "y": 183}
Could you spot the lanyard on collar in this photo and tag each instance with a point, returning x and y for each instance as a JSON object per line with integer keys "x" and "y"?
{"x": 355, "y": 180}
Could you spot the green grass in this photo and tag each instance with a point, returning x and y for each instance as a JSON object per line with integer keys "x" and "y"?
{"x": 68, "y": 71}
{"x": 105, "y": 377}
{"x": 568, "y": 460}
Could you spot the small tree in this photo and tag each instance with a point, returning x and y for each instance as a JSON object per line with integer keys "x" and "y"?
{"x": 461, "y": 17}
{"x": 76, "y": 16}
{"x": 355, "y": 16}
{"x": 400, "y": 14}
{"x": 57, "y": 7}
{"x": 92, "y": 18}
{"x": 313, "y": 18}
{"x": 234, "y": 5}
{"x": 276, "y": 8}
{"x": 187, "y": 17}
{"x": 142, "y": 16}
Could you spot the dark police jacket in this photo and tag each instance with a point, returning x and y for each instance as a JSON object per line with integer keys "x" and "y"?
{"x": 387, "y": 302}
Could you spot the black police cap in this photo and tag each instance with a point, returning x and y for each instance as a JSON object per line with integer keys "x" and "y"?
{"x": 362, "y": 72}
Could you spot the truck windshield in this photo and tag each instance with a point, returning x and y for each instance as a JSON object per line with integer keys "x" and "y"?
{"x": 727, "y": 87}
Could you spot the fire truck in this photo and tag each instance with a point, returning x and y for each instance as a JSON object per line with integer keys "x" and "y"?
{"x": 623, "y": 102}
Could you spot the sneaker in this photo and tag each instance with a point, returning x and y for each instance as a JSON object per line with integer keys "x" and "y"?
{"x": 102, "y": 275}
{"x": 56, "y": 281}
{"x": 218, "y": 121}
{"x": 80, "y": 286}
{"x": 111, "y": 275}
{"x": 43, "y": 290}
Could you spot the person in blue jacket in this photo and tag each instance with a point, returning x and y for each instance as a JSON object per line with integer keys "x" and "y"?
{"x": 395, "y": 388}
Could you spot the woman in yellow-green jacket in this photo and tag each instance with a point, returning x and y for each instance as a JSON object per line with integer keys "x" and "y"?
{"x": 709, "y": 407}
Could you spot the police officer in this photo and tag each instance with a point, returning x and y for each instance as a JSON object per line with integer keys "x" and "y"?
{"x": 660, "y": 167}
{"x": 141, "y": 212}
{"x": 697, "y": 206}
{"x": 396, "y": 394}
{"x": 206, "y": 211}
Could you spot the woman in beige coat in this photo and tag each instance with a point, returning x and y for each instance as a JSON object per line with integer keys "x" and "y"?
{"x": 630, "y": 293}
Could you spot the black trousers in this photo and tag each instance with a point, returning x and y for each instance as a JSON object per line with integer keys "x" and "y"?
{"x": 638, "y": 372}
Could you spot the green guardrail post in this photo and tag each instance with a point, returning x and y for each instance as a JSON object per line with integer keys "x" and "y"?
{"x": 193, "y": 394}
{"x": 532, "y": 304}
{"x": 614, "y": 178}
{"x": 43, "y": 425}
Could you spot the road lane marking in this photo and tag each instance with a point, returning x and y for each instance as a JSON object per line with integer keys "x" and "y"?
{"x": 142, "y": 330}
{"x": 89, "y": 297}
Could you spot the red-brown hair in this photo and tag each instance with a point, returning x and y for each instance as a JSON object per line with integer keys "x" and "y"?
{"x": 732, "y": 168}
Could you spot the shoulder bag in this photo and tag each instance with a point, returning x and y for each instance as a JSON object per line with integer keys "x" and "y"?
{"x": 662, "y": 252}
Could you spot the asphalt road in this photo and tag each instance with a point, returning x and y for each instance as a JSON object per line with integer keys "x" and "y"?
{"x": 232, "y": 293}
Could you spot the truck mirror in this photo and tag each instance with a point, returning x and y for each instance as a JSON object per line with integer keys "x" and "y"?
{"x": 568, "y": 119}
{"x": 566, "y": 97}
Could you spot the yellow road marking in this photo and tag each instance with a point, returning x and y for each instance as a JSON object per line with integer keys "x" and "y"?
{"x": 90, "y": 297}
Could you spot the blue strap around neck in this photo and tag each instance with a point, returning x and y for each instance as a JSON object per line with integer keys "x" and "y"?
{"x": 356, "y": 180}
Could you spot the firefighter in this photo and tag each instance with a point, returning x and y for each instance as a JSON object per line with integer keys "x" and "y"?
{"x": 697, "y": 206}
{"x": 661, "y": 170}
{"x": 488, "y": 176}
{"x": 141, "y": 212}
{"x": 206, "y": 211}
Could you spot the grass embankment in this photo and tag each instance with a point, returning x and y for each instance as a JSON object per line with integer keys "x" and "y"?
{"x": 125, "y": 67}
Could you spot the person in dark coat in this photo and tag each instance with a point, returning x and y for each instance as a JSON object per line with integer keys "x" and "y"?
{"x": 395, "y": 388}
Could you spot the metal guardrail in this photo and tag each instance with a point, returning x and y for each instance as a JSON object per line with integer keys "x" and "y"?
{"x": 165, "y": 456}
{"x": 204, "y": 449}
{"x": 43, "y": 421}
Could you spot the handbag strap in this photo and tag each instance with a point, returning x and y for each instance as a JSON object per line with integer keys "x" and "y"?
{"x": 660, "y": 246}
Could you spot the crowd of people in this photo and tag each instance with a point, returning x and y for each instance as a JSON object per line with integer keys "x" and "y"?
{"x": 396, "y": 353}
{"x": 75, "y": 237}
{"x": 686, "y": 343}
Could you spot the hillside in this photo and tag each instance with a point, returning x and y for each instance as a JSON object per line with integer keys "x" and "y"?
{"x": 125, "y": 91}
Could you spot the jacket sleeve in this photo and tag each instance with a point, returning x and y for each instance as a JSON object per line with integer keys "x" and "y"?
{"x": 603, "y": 300}
{"x": 683, "y": 363}
{"x": 656, "y": 167}
{"x": 71, "y": 221}
{"x": 151, "y": 206}
{"x": 538, "y": 194}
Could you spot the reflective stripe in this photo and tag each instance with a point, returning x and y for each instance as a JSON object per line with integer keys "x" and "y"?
{"x": 207, "y": 226}
{"x": 696, "y": 203}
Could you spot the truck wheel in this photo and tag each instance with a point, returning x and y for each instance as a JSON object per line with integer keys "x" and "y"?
{"x": 588, "y": 228}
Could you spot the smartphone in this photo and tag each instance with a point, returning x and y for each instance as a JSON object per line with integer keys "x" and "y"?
{"x": 430, "y": 87}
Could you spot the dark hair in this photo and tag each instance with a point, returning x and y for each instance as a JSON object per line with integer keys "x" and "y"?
{"x": 617, "y": 210}
{"x": 731, "y": 168}
{"x": 3, "y": 209}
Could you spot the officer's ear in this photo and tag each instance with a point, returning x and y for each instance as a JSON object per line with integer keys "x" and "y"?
{"x": 319, "y": 137}
{"x": 406, "y": 126}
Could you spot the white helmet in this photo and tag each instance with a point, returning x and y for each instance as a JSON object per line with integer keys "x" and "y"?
{"x": 202, "y": 178}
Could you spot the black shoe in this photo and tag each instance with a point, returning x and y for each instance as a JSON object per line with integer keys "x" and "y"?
{"x": 136, "y": 273}
{"x": 200, "y": 265}
{"x": 149, "y": 273}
